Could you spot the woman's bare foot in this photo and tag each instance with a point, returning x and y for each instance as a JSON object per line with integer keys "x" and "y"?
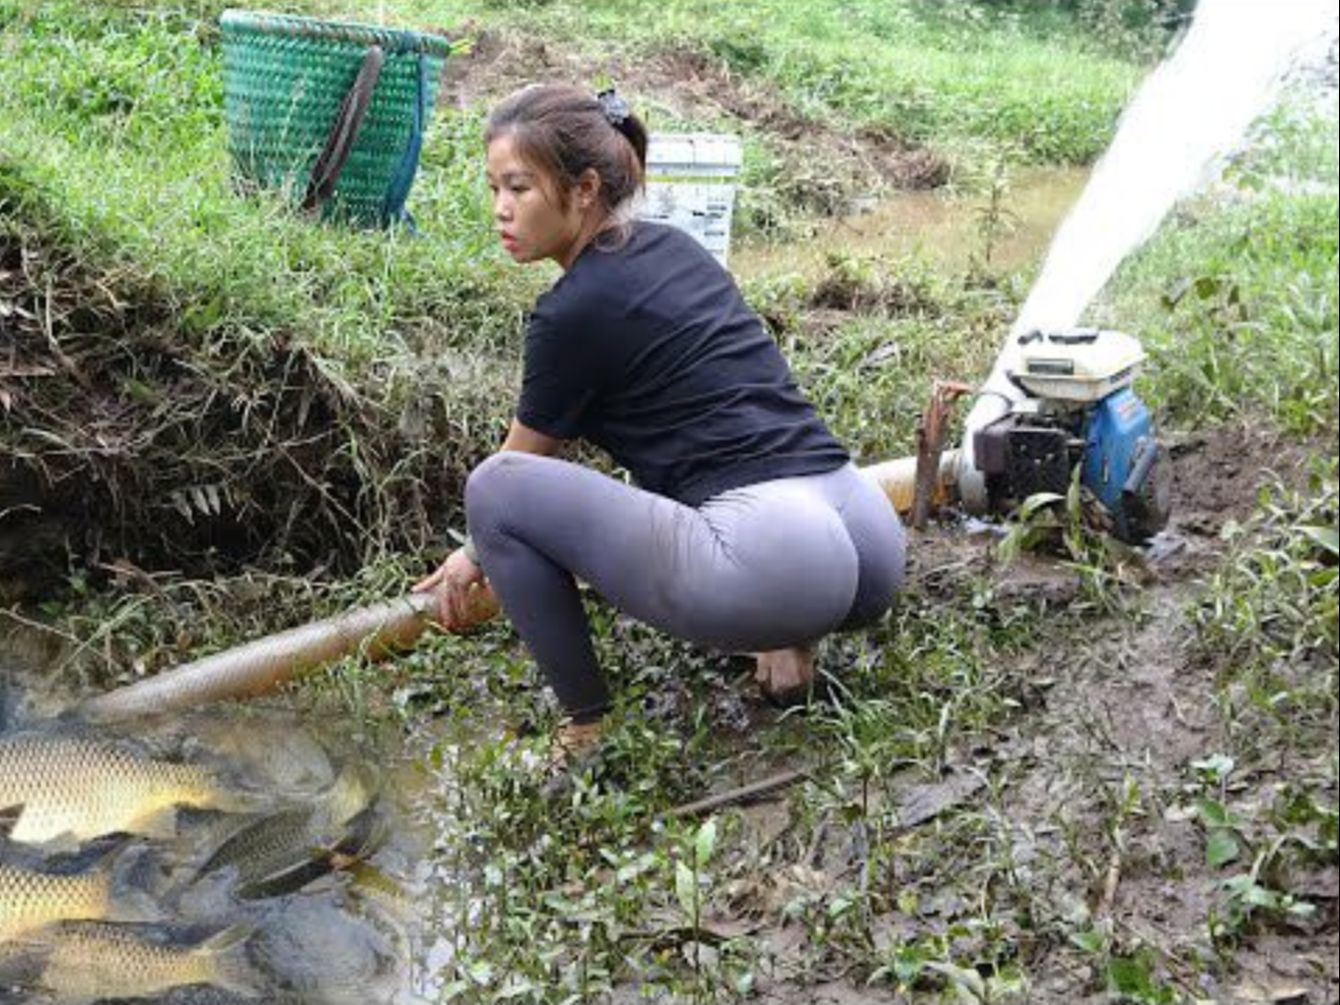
{"x": 786, "y": 675}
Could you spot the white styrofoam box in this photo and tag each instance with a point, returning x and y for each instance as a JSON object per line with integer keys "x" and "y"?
{"x": 691, "y": 185}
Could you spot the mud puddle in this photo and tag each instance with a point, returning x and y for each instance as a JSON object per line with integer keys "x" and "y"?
{"x": 947, "y": 228}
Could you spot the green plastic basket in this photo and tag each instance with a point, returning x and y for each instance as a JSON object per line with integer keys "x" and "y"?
{"x": 284, "y": 80}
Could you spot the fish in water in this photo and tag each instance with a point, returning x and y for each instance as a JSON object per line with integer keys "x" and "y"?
{"x": 75, "y": 788}
{"x": 30, "y": 900}
{"x": 289, "y": 848}
{"x": 89, "y": 962}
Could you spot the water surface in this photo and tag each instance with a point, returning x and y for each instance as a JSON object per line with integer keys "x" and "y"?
{"x": 944, "y": 226}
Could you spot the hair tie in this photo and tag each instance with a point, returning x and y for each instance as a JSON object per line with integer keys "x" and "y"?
{"x": 614, "y": 107}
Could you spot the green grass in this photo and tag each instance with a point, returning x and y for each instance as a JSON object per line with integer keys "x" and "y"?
{"x": 922, "y": 73}
{"x": 870, "y": 373}
{"x": 113, "y": 130}
{"x": 1268, "y": 622}
{"x": 1238, "y": 309}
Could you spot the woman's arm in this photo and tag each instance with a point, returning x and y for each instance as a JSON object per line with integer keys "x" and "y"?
{"x": 522, "y": 438}
{"x": 460, "y": 576}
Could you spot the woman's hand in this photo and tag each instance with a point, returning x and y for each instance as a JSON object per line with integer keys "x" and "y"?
{"x": 463, "y": 594}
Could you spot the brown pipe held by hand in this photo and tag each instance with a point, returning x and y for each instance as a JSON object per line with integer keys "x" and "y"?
{"x": 264, "y": 664}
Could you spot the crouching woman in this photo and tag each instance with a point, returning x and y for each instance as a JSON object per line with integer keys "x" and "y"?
{"x": 748, "y": 528}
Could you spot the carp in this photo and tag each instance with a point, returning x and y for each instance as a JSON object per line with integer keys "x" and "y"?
{"x": 30, "y": 900}
{"x": 65, "y": 787}
{"x": 87, "y": 962}
{"x": 283, "y": 851}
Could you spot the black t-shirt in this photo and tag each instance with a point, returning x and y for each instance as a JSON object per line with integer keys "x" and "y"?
{"x": 649, "y": 352}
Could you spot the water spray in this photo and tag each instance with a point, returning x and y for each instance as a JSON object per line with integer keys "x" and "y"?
{"x": 1184, "y": 120}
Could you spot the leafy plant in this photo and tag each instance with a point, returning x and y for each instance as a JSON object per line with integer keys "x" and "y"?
{"x": 1134, "y": 978}
{"x": 1076, "y": 526}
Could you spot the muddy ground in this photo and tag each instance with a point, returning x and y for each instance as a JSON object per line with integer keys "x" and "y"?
{"x": 1118, "y": 701}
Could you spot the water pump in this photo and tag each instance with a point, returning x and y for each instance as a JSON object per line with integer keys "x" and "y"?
{"x": 1078, "y": 409}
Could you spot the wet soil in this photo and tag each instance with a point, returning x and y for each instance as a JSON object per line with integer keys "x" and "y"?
{"x": 1117, "y": 701}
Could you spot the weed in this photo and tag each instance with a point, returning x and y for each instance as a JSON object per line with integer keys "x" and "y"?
{"x": 1135, "y": 979}
{"x": 1268, "y": 620}
{"x": 995, "y": 219}
{"x": 1296, "y": 834}
{"x": 1076, "y": 526}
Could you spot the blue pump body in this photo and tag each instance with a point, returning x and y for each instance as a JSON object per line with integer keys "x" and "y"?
{"x": 1119, "y": 448}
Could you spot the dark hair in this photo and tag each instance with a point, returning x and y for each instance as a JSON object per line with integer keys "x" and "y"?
{"x": 564, "y": 130}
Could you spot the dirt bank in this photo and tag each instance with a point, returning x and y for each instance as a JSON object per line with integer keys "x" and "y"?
{"x": 131, "y": 445}
{"x": 823, "y": 168}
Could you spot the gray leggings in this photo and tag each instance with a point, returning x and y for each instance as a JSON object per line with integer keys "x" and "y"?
{"x": 762, "y": 567}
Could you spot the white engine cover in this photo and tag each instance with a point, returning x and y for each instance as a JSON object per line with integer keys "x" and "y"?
{"x": 1076, "y": 365}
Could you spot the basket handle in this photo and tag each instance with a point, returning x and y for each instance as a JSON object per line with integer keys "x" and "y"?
{"x": 397, "y": 191}
{"x": 344, "y": 130}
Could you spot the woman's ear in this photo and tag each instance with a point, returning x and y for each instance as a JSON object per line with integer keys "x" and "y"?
{"x": 588, "y": 189}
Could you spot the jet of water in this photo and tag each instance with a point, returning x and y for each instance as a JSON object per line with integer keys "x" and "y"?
{"x": 1189, "y": 113}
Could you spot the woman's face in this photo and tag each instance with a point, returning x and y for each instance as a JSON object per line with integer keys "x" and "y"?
{"x": 527, "y": 211}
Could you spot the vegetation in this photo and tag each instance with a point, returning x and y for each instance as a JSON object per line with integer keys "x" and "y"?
{"x": 919, "y": 73}
{"x": 1002, "y": 781}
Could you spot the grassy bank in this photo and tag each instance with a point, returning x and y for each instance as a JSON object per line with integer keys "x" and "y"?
{"x": 113, "y": 172}
{"x": 114, "y": 130}
{"x": 115, "y": 115}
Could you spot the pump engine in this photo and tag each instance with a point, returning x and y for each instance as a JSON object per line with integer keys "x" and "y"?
{"x": 1079, "y": 409}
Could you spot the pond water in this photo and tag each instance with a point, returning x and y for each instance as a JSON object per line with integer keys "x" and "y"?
{"x": 945, "y": 226}
{"x": 354, "y": 935}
